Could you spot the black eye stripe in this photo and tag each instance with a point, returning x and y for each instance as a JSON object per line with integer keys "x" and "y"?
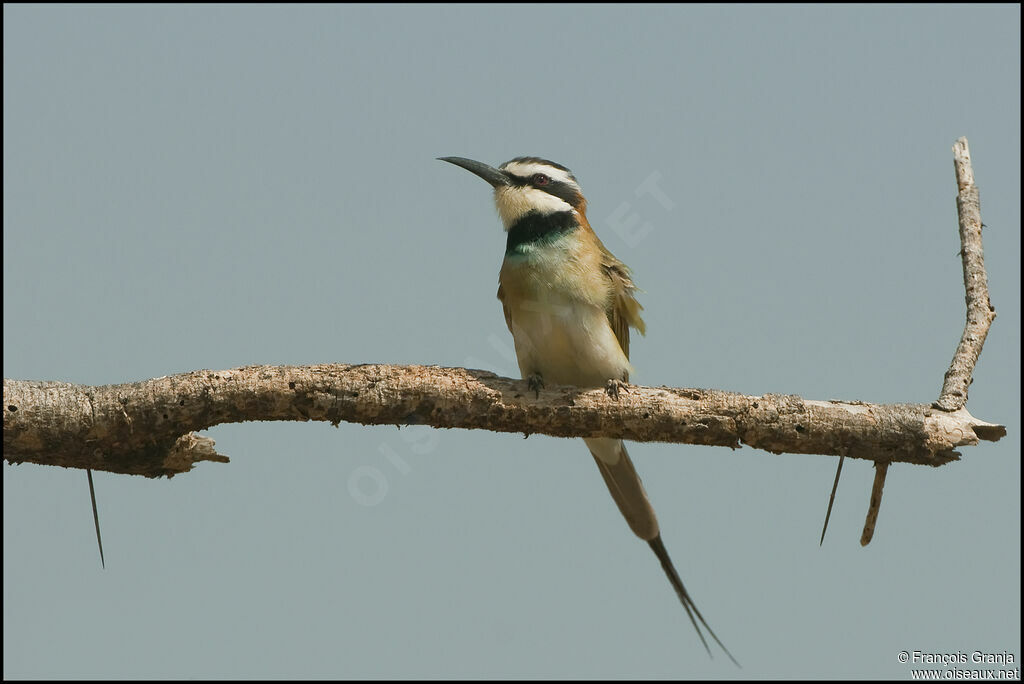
{"x": 560, "y": 189}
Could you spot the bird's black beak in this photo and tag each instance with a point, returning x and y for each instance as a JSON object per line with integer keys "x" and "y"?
{"x": 488, "y": 173}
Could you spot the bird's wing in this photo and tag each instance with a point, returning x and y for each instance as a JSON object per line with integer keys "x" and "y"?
{"x": 504, "y": 308}
{"x": 623, "y": 309}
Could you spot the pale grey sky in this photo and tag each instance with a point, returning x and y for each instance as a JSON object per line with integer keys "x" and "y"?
{"x": 206, "y": 187}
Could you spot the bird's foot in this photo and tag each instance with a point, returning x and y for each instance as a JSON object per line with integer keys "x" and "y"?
{"x": 613, "y": 387}
{"x": 535, "y": 383}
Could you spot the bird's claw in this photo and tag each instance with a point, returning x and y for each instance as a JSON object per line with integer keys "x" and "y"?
{"x": 613, "y": 387}
{"x": 535, "y": 383}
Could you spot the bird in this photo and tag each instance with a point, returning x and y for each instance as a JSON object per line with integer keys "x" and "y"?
{"x": 569, "y": 304}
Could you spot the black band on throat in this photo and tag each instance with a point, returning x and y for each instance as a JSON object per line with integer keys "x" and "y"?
{"x": 534, "y": 228}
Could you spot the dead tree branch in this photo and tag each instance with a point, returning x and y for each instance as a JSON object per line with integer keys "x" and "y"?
{"x": 145, "y": 428}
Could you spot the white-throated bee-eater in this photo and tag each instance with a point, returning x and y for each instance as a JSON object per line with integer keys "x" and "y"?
{"x": 569, "y": 304}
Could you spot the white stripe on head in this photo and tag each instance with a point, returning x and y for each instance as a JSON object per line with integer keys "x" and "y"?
{"x": 526, "y": 169}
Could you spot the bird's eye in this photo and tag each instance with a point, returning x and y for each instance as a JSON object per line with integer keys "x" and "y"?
{"x": 540, "y": 179}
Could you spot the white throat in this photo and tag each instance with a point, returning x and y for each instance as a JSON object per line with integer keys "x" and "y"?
{"x": 514, "y": 202}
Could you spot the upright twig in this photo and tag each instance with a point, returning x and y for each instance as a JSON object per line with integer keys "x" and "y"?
{"x": 980, "y": 312}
